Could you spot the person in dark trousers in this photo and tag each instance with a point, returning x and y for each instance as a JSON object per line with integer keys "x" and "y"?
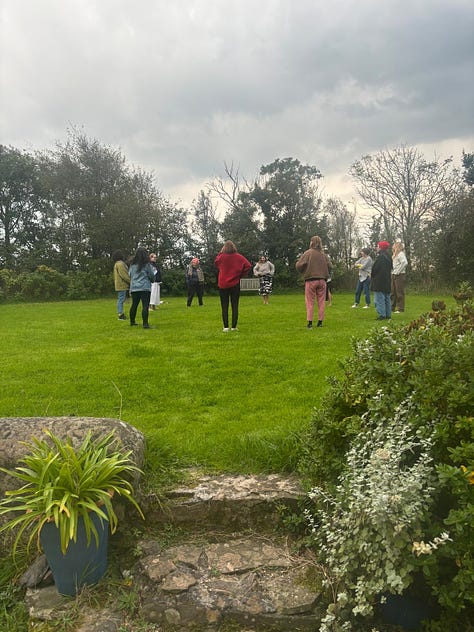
{"x": 142, "y": 275}
{"x": 232, "y": 266}
{"x": 194, "y": 281}
{"x": 381, "y": 281}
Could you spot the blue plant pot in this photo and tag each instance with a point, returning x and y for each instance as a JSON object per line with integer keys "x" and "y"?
{"x": 82, "y": 564}
{"x": 405, "y": 611}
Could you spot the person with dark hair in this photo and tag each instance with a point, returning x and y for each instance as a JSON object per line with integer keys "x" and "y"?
{"x": 381, "y": 281}
{"x": 313, "y": 264}
{"x": 121, "y": 281}
{"x": 232, "y": 266}
{"x": 142, "y": 274}
{"x": 364, "y": 266}
{"x": 194, "y": 281}
{"x": 264, "y": 269}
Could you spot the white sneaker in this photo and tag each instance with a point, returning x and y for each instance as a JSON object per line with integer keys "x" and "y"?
{"x": 366, "y": 307}
{"x": 234, "y": 329}
{"x": 355, "y": 305}
{"x": 225, "y": 329}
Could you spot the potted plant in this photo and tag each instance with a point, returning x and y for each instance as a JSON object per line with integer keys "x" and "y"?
{"x": 65, "y": 504}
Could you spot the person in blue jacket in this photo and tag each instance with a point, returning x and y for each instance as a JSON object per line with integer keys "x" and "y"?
{"x": 142, "y": 275}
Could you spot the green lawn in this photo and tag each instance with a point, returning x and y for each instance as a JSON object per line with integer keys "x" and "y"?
{"x": 227, "y": 401}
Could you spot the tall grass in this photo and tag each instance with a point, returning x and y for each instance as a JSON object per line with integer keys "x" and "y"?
{"x": 227, "y": 401}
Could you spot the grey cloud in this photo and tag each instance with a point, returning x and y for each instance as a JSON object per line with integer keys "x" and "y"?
{"x": 183, "y": 86}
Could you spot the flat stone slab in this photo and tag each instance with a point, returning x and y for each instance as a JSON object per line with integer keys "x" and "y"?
{"x": 232, "y": 502}
{"x": 251, "y": 581}
{"x": 222, "y": 487}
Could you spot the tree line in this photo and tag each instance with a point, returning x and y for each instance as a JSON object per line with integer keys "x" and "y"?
{"x": 67, "y": 209}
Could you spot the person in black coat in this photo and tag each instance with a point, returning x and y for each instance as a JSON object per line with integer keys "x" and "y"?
{"x": 381, "y": 281}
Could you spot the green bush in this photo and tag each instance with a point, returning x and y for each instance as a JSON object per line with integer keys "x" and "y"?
{"x": 174, "y": 282}
{"x": 430, "y": 360}
{"x": 10, "y": 284}
{"x": 43, "y": 284}
{"x": 426, "y": 371}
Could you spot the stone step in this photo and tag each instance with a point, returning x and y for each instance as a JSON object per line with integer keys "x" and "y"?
{"x": 225, "y": 573}
{"x": 254, "y": 583}
{"x": 225, "y": 501}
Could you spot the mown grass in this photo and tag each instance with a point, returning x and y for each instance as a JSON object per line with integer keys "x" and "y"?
{"x": 227, "y": 401}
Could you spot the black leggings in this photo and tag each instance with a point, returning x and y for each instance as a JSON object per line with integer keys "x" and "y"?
{"x": 232, "y": 293}
{"x": 144, "y": 297}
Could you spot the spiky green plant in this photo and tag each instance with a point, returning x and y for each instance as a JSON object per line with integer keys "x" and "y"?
{"x": 62, "y": 484}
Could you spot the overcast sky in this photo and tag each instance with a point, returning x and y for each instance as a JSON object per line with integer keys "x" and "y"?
{"x": 180, "y": 86}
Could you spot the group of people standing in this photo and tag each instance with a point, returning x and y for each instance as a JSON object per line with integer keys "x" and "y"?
{"x": 142, "y": 279}
{"x": 386, "y": 277}
{"x": 231, "y": 266}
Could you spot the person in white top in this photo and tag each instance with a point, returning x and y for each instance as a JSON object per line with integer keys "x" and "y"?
{"x": 400, "y": 263}
{"x": 155, "y": 286}
{"x": 265, "y": 270}
{"x": 364, "y": 266}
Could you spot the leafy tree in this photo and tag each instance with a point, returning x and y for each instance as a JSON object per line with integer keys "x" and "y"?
{"x": 241, "y": 226}
{"x": 404, "y": 188}
{"x": 102, "y": 204}
{"x": 451, "y": 237}
{"x": 343, "y": 233}
{"x": 205, "y": 230}
{"x": 468, "y": 165}
{"x": 288, "y": 199}
{"x": 240, "y": 223}
{"x": 166, "y": 232}
{"x": 25, "y": 213}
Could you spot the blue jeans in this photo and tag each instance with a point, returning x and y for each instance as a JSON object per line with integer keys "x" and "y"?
{"x": 121, "y": 296}
{"x": 383, "y": 304}
{"x": 365, "y": 286}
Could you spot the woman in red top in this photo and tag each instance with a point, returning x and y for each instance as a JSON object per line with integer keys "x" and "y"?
{"x": 232, "y": 267}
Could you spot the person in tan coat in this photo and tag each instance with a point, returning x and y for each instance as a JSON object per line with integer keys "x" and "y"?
{"x": 313, "y": 264}
{"x": 121, "y": 281}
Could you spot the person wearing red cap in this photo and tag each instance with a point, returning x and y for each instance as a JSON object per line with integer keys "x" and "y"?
{"x": 232, "y": 267}
{"x": 381, "y": 281}
{"x": 194, "y": 281}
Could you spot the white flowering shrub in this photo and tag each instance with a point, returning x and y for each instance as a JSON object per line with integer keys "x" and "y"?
{"x": 366, "y": 530}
